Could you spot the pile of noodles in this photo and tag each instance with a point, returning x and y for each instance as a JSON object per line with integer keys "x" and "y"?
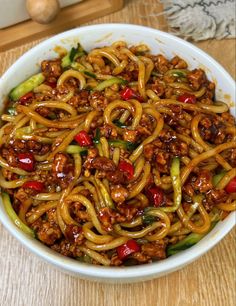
{"x": 28, "y": 124}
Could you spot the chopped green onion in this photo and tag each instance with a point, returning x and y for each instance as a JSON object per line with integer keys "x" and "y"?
{"x": 110, "y": 82}
{"x": 118, "y": 123}
{"x": 13, "y": 216}
{"x": 105, "y": 194}
{"x": 27, "y": 86}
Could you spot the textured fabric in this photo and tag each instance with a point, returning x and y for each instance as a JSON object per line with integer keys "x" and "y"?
{"x": 201, "y": 19}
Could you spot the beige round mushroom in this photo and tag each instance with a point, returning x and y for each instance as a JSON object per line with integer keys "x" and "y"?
{"x": 43, "y": 11}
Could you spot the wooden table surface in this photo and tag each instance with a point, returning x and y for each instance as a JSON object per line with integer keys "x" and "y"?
{"x": 26, "y": 281}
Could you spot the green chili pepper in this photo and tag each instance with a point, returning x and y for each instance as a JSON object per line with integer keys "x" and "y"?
{"x": 13, "y": 216}
{"x": 75, "y": 149}
{"x": 27, "y": 86}
{"x": 126, "y": 145}
{"x": 217, "y": 178}
{"x": 187, "y": 242}
{"x": 110, "y": 82}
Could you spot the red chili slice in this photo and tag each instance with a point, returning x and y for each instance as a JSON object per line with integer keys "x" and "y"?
{"x": 187, "y": 98}
{"x": 26, "y": 161}
{"x": 128, "y": 93}
{"x": 83, "y": 139}
{"x": 35, "y": 185}
{"x": 231, "y": 186}
{"x": 155, "y": 196}
{"x": 26, "y": 98}
{"x": 128, "y": 248}
{"x": 127, "y": 168}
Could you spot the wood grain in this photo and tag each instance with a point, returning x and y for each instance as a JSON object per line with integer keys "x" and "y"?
{"x": 26, "y": 281}
{"x": 69, "y": 17}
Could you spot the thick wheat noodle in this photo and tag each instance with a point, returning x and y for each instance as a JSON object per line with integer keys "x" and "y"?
{"x": 116, "y": 156}
{"x": 137, "y": 234}
{"x": 120, "y": 68}
{"x": 55, "y": 104}
{"x": 106, "y": 246}
{"x": 67, "y": 96}
{"x": 177, "y": 225}
{"x": 105, "y": 147}
{"x": 5, "y": 165}
{"x": 141, "y": 71}
{"x": 33, "y": 124}
{"x": 136, "y": 222}
{"x": 45, "y": 166}
{"x": 149, "y": 67}
{"x": 89, "y": 119}
{"x": 190, "y": 225}
{"x": 136, "y": 112}
{"x": 24, "y": 208}
{"x": 190, "y": 107}
{"x": 90, "y": 209}
{"x": 158, "y": 182}
{"x": 20, "y": 123}
{"x": 114, "y": 115}
{"x": 66, "y": 141}
{"x": 194, "y": 162}
{"x": 91, "y": 236}
{"x": 94, "y": 193}
{"x": 96, "y": 256}
{"x": 165, "y": 226}
{"x": 138, "y": 187}
{"x": 106, "y": 52}
{"x": 159, "y": 125}
{"x": 191, "y": 142}
{"x": 217, "y": 107}
{"x": 72, "y": 74}
{"x": 40, "y": 210}
{"x": 138, "y": 168}
{"x": 227, "y": 206}
{"x": 49, "y": 123}
{"x": 197, "y": 137}
{"x": 11, "y": 184}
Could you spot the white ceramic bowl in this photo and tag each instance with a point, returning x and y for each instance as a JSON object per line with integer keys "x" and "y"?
{"x": 159, "y": 42}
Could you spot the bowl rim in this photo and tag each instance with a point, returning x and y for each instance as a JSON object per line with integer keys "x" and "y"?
{"x": 154, "y": 269}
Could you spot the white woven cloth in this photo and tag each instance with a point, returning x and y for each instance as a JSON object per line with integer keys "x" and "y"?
{"x": 201, "y": 19}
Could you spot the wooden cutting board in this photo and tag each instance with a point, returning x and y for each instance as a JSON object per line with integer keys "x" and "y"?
{"x": 68, "y": 18}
